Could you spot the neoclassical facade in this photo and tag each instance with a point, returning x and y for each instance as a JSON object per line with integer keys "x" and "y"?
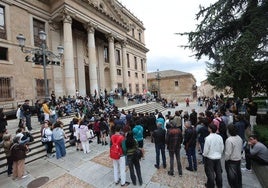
{"x": 103, "y": 44}
{"x": 172, "y": 85}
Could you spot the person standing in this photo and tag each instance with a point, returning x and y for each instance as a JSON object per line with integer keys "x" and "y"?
{"x": 47, "y": 133}
{"x": 18, "y": 155}
{"x": 3, "y": 122}
{"x": 173, "y": 141}
{"x": 83, "y": 129}
{"x": 252, "y": 110}
{"x": 138, "y": 133}
{"x": 58, "y": 139}
{"x": 119, "y": 164}
{"x": 26, "y": 110}
{"x": 233, "y": 148}
{"x": 159, "y": 137}
{"x": 132, "y": 160}
{"x": 46, "y": 110}
{"x": 213, "y": 150}
{"x": 190, "y": 137}
{"x": 193, "y": 117}
{"x": 104, "y": 130}
{"x": 7, "y": 143}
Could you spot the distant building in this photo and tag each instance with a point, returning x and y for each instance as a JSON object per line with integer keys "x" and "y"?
{"x": 172, "y": 85}
{"x": 103, "y": 42}
{"x": 205, "y": 89}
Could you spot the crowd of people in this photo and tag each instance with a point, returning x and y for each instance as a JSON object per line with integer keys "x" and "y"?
{"x": 218, "y": 132}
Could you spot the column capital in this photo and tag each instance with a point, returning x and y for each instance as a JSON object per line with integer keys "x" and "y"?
{"x": 90, "y": 27}
{"x": 124, "y": 43}
{"x": 110, "y": 37}
{"x": 67, "y": 18}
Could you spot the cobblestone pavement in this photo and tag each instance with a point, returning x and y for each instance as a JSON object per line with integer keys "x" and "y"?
{"x": 81, "y": 170}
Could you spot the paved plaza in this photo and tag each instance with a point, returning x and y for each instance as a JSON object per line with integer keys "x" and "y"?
{"x": 79, "y": 170}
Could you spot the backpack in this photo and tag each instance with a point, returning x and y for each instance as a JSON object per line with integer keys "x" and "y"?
{"x": 115, "y": 151}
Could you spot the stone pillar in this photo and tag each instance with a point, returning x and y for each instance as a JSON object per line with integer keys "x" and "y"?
{"x": 125, "y": 68}
{"x": 145, "y": 73}
{"x": 112, "y": 62}
{"x": 68, "y": 56}
{"x": 92, "y": 60}
{"x": 81, "y": 67}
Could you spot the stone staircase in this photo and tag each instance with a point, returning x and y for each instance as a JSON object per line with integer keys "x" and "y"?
{"x": 145, "y": 107}
{"x": 38, "y": 150}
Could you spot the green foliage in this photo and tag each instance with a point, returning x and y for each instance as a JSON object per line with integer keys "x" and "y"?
{"x": 262, "y": 133}
{"x": 234, "y": 35}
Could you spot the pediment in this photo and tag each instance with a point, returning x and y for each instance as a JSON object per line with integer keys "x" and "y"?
{"x": 111, "y": 9}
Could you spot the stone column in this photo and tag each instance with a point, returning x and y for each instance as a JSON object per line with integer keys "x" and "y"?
{"x": 81, "y": 67}
{"x": 145, "y": 72}
{"x": 92, "y": 60}
{"x": 125, "y": 68}
{"x": 112, "y": 62}
{"x": 68, "y": 56}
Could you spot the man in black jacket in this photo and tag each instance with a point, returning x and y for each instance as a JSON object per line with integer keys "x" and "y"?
{"x": 173, "y": 141}
{"x": 159, "y": 136}
{"x": 190, "y": 144}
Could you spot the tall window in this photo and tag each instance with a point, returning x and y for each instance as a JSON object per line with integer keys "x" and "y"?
{"x": 128, "y": 62}
{"x": 176, "y": 83}
{"x": 137, "y": 88}
{"x": 117, "y": 57}
{"x": 133, "y": 32}
{"x": 143, "y": 87}
{"x": 136, "y": 74}
{"x": 135, "y": 62}
{"x": 130, "y": 88}
{"x": 128, "y": 73}
{"x": 5, "y": 88}
{"x": 142, "y": 68}
{"x": 3, "y": 53}
{"x": 139, "y": 36}
{"x": 119, "y": 72}
{"x": 142, "y": 75}
{"x": 40, "y": 87}
{"x": 119, "y": 85}
{"x": 3, "y": 34}
{"x": 106, "y": 54}
{"x": 38, "y": 26}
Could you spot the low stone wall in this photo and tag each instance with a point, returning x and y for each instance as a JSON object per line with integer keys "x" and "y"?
{"x": 262, "y": 173}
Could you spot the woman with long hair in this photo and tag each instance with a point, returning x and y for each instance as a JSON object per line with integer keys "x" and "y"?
{"x": 133, "y": 161}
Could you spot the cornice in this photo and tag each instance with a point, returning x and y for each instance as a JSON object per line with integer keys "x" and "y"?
{"x": 137, "y": 45}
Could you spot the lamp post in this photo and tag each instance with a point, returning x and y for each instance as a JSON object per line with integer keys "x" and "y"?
{"x": 42, "y": 56}
{"x": 158, "y": 78}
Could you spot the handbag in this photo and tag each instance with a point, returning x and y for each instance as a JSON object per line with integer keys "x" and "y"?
{"x": 90, "y": 134}
{"x": 138, "y": 153}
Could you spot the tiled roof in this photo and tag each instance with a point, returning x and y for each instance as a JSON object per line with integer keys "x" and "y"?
{"x": 166, "y": 73}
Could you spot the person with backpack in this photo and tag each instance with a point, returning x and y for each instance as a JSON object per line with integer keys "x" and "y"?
{"x": 118, "y": 157}
{"x": 221, "y": 126}
{"x": 18, "y": 155}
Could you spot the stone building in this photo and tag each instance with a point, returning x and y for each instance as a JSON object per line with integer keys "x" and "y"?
{"x": 103, "y": 44}
{"x": 205, "y": 89}
{"x": 172, "y": 85}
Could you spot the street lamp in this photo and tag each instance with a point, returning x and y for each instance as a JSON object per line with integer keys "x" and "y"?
{"x": 42, "y": 56}
{"x": 158, "y": 78}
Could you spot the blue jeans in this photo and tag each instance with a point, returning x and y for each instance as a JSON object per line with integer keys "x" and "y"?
{"x": 191, "y": 156}
{"x": 158, "y": 148}
{"x": 60, "y": 148}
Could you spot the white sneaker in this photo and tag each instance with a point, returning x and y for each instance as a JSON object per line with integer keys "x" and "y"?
{"x": 246, "y": 170}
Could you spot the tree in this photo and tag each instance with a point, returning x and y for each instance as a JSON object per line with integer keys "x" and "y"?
{"x": 233, "y": 34}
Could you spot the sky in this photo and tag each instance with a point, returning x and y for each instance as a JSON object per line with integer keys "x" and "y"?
{"x": 162, "y": 19}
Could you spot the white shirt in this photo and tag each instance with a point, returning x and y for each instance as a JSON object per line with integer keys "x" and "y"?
{"x": 233, "y": 148}
{"x": 213, "y": 148}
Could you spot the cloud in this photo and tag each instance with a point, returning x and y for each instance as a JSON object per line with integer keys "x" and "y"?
{"x": 162, "y": 19}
